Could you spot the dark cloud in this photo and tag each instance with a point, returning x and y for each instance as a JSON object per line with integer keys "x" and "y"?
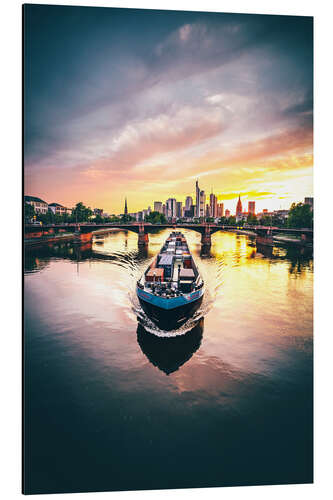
{"x": 89, "y": 72}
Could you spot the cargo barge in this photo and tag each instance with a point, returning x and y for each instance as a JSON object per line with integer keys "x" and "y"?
{"x": 171, "y": 289}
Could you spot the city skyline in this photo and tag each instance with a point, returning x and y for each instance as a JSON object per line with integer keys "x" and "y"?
{"x": 177, "y": 108}
{"x": 162, "y": 205}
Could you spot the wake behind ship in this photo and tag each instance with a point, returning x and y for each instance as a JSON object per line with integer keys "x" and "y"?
{"x": 171, "y": 289}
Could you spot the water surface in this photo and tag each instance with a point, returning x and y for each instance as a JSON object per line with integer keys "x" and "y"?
{"x": 113, "y": 404}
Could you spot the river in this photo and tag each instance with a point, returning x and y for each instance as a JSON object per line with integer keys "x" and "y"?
{"x": 112, "y": 403}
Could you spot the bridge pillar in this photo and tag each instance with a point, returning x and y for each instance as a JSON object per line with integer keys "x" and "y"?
{"x": 143, "y": 239}
{"x": 205, "y": 250}
{"x": 266, "y": 250}
{"x": 206, "y": 238}
{"x": 306, "y": 238}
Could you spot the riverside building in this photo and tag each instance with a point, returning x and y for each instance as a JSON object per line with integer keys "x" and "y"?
{"x": 40, "y": 206}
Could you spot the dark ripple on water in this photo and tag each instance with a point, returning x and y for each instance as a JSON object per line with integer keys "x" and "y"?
{"x": 243, "y": 402}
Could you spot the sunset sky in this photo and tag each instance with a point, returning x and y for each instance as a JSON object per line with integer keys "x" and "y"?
{"x": 140, "y": 103}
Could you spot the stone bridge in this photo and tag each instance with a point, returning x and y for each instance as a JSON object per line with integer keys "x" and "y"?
{"x": 85, "y": 231}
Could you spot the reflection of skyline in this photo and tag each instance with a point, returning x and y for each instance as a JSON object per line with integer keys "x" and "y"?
{"x": 236, "y": 407}
{"x": 170, "y": 353}
{"x": 235, "y": 249}
{"x": 245, "y": 284}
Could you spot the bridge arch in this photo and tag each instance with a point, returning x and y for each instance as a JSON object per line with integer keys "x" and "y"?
{"x": 143, "y": 230}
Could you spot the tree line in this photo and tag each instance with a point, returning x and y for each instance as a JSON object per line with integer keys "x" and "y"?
{"x": 300, "y": 216}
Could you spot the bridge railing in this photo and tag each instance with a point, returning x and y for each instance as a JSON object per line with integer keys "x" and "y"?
{"x": 206, "y": 226}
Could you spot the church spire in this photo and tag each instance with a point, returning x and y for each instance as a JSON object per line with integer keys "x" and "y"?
{"x": 239, "y": 207}
{"x": 125, "y": 211}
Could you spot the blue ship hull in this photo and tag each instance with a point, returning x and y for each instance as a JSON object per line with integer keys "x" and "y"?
{"x": 170, "y": 313}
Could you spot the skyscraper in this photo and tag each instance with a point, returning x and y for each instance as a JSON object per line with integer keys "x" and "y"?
{"x": 179, "y": 209}
{"x": 252, "y": 207}
{"x": 213, "y": 205}
{"x": 158, "y": 207}
{"x": 220, "y": 210}
{"x": 197, "y": 198}
{"x": 188, "y": 202}
{"x": 202, "y": 204}
{"x": 171, "y": 208}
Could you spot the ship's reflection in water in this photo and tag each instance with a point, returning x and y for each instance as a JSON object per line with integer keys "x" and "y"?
{"x": 113, "y": 405}
{"x": 170, "y": 353}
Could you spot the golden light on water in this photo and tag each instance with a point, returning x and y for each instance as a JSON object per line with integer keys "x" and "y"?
{"x": 254, "y": 300}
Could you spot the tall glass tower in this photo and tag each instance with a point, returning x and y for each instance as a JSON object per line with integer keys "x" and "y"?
{"x": 197, "y": 199}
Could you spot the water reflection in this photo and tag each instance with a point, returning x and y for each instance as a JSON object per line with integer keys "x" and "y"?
{"x": 236, "y": 406}
{"x": 205, "y": 251}
{"x": 170, "y": 353}
{"x": 265, "y": 250}
{"x": 300, "y": 259}
{"x": 38, "y": 257}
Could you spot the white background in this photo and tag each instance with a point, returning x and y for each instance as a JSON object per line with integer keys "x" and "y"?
{"x": 11, "y": 267}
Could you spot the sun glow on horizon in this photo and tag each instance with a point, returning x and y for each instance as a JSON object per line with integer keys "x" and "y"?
{"x": 178, "y": 109}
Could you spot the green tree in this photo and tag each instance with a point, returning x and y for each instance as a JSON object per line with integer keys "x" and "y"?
{"x": 81, "y": 213}
{"x": 126, "y": 218}
{"x": 252, "y": 220}
{"x": 99, "y": 219}
{"x": 29, "y": 211}
{"x": 300, "y": 216}
{"x": 266, "y": 220}
{"x": 66, "y": 217}
{"x": 48, "y": 218}
{"x": 277, "y": 220}
{"x": 113, "y": 219}
{"x": 155, "y": 218}
{"x": 231, "y": 220}
{"x": 58, "y": 219}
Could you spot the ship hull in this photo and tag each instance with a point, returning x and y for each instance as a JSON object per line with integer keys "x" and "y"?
{"x": 167, "y": 315}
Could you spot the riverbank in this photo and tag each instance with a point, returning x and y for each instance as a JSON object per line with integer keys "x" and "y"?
{"x": 49, "y": 238}
{"x": 279, "y": 239}
{"x": 287, "y": 240}
{"x": 52, "y": 238}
